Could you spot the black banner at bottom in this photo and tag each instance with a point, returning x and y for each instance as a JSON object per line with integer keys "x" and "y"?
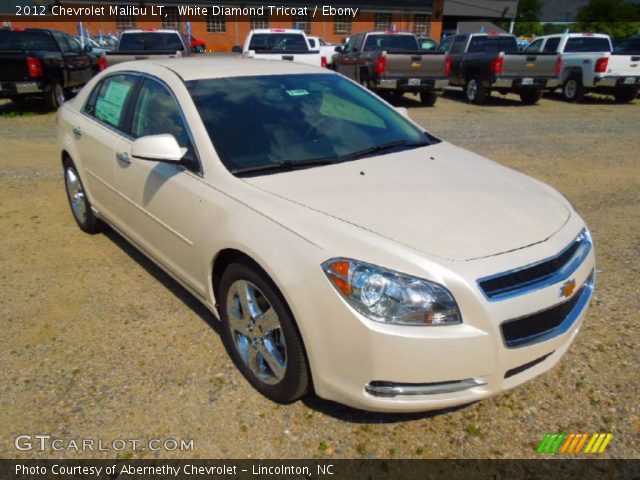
{"x": 312, "y": 469}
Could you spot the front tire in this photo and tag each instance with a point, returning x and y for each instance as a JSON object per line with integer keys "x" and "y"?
{"x": 428, "y": 99}
{"x": 531, "y": 96}
{"x": 475, "y": 92}
{"x": 78, "y": 201}
{"x": 573, "y": 90}
{"x": 260, "y": 334}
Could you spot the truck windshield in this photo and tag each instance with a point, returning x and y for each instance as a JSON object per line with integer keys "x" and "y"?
{"x": 391, "y": 43}
{"x": 489, "y": 44}
{"x": 152, "y": 41}
{"x": 588, "y": 44}
{"x": 27, "y": 40}
{"x": 278, "y": 42}
{"x": 263, "y": 121}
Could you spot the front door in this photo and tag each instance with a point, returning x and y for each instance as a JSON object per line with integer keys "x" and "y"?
{"x": 163, "y": 199}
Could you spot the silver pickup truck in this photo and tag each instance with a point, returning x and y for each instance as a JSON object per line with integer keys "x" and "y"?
{"x": 393, "y": 63}
{"x": 144, "y": 44}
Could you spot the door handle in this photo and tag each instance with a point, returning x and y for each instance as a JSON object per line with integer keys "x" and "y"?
{"x": 77, "y": 131}
{"x": 123, "y": 157}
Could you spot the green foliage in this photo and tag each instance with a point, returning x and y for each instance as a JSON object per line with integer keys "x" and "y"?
{"x": 611, "y": 17}
{"x": 529, "y": 11}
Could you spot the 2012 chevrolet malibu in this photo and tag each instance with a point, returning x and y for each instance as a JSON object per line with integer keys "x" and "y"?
{"x": 344, "y": 249}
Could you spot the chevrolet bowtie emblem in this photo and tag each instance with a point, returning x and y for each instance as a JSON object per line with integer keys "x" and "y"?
{"x": 567, "y": 289}
{"x": 415, "y": 65}
{"x": 531, "y": 65}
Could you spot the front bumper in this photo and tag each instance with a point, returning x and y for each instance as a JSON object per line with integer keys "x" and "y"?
{"x": 519, "y": 83}
{"x": 13, "y": 89}
{"x": 380, "y": 367}
{"x": 417, "y": 84}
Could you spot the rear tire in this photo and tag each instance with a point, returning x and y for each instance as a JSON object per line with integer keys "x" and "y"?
{"x": 626, "y": 95}
{"x": 54, "y": 95}
{"x": 78, "y": 201}
{"x": 428, "y": 99}
{"x": 475, "y": 92}
{"x": 530, "y": 96}
{"x": 573, "y": 90}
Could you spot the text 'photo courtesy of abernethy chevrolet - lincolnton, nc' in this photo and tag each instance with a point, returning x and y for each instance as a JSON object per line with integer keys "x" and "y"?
{"x": 345, "y": 250}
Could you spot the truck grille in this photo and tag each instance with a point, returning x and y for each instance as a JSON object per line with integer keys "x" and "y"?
{"x": 549, "y": 323}
{"x": 537, "y": 275}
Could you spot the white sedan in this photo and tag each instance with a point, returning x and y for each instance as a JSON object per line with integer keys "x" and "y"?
{"x": 345, "y": 250}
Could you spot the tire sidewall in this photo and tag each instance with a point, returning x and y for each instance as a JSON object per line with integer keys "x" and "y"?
{"x": 294, "y": 384}
{"x": 565, "y": 89}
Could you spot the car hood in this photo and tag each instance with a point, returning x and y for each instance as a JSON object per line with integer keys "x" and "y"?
{"x": 441, "y": 200}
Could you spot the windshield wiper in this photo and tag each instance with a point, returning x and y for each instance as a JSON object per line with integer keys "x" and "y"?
{"x": 284, "y": 166}
{"x": 381, "y": 148}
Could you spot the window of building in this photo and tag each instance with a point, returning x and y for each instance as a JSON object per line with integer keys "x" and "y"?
{"x": 383, "y": 21}
{"x": 171, "y": 18}
{"x": 421, "y": 25}
{"x": 342, "y": 25}
{"x": 259, "y": 21}
{"x": 125, "y": 21}
{"x": 216, "y": 23}
{"x": 302, "y": 22}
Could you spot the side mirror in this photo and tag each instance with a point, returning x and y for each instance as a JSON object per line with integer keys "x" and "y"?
{"x": 159, "y": 148}
{"x": 403, "y": 111}
{"x": 236, "y": 49}
{"x": 88, "y": 48}
{"x": 339, "y": 49}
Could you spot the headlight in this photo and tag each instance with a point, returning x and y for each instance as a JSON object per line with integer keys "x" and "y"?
{"x": 391, "y": 297}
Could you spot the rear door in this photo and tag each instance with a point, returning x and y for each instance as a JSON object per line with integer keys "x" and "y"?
{"x": 77, "y": 62}
{"x": 162, "y": 199}
{"x": 347, "y": 61}
{"x": 100, "y": 127}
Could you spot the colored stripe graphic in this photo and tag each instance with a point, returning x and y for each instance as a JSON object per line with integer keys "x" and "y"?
{"x": 553, "y": 443}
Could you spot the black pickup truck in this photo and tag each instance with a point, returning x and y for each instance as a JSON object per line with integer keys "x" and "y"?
{"x": 482, "y": 62}
{"x": 44, "y": 63}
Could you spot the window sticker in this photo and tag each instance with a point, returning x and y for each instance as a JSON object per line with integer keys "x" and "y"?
{"x": 109, "y": 108}
{"x": 298, "y": 93}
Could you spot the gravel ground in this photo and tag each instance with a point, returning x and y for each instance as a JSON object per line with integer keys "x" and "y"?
{"x": 98, "y": 343}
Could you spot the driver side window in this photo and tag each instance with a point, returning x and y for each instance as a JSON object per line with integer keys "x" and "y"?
{"x": 156, "y": 112}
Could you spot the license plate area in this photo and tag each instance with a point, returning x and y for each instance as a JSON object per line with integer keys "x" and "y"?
{"x": 527, "y": 81}
{"x": 414, "y": 82}
{"x": 629, "y": 80}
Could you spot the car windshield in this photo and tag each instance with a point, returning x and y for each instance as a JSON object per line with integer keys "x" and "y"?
{"x": 588, "y": 44}
{"x": 391, "y": 43}
{"x": 266, "y": 121}
{"x": 27, "y": 40}
{"x": 492, "y": 44}
{"x": 278, "y": 42}
{"x": 152, "y": 41}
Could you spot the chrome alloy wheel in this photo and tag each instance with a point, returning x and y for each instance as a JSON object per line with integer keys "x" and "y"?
{"x": 76, "y": 195}
{"x": 59, "y": 94}
{"x": 256, "y": 332}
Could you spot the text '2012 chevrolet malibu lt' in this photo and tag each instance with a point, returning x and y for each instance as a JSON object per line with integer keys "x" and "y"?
{"x": 344, "y": 249}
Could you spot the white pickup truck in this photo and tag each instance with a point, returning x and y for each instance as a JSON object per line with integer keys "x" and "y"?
{"x": 281, "y": 44}
{"x": 588, "y": 64}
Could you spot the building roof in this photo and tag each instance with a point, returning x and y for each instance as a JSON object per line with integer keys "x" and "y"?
{"x": 478, "y": 27}
{"x": 481, "y": 8}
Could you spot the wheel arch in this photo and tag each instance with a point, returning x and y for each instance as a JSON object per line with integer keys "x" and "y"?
{"x": 226, "y": 257}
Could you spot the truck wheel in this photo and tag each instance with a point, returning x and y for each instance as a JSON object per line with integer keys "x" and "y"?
{"x": 54, "y": 95}
{"x": 364, "y": 80}
{"x": 531, "y": 96}
{"x": 573, "y": 90}
{"x": 625, "y": 95}
{"x": 199, "y": 49}
{"x": 428, "y": 99}
{"x": 475, "y": 92}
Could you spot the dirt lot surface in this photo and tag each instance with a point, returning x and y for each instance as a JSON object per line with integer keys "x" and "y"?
{"x": 98, "y": 343}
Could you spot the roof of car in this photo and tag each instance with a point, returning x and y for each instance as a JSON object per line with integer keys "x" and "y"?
{"x": 220, "y": 66}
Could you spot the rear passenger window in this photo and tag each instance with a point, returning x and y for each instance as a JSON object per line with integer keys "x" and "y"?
{"x": 108, "y": 100}
{"x": 535, "y": 46}
{"x": 458, "y": 45}
{"x": 552, "y": 45}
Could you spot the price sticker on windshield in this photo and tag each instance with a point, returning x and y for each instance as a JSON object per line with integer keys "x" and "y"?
{"x": 297, "y": 93}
